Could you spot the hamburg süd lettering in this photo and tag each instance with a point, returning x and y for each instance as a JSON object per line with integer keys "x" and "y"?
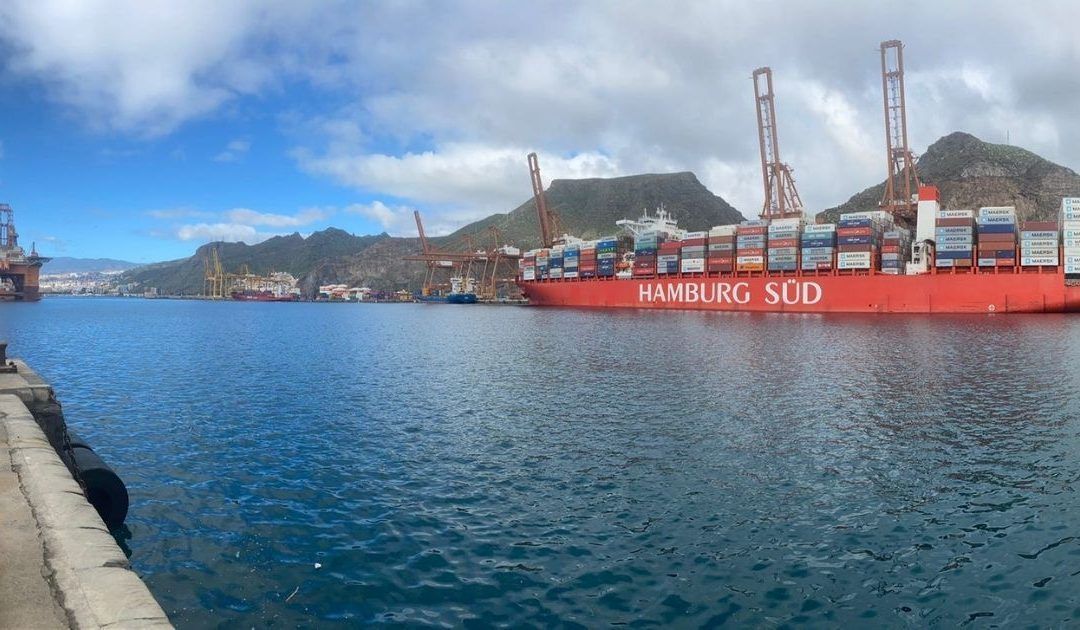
{"x": 789, "y": 292}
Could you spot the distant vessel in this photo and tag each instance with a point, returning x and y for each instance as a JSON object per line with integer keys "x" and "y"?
{"x": 462, "y": 291}
{"x": 19, "y": 271}
{"x": 264, "y": 296}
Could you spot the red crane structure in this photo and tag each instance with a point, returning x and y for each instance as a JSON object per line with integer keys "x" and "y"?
{"x": 468, "y": 261}
{"x": 781, "y": 197}
{"x": 550, "y": 223}
{"x": 902, "y": 183}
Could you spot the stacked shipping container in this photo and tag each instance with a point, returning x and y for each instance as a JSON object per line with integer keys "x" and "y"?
{"x": 693, "y": 252}
{"x": 858, "y": 237}
{"x": 571, "y": 259}
{"x": 587, "y": 266}
{"x": 667, "y": 261}
{"x": 1039, "y": 243}
{"x": 528, "y": 265}
{"x": 750, "y": 240}
{"x": 954, "y": 238}
{"x": 818, "y": 247}
{"x": 997, "y": 236}
{"x": 606, "y": 254}
{"x": 783, "y": 244}
{"x": 1070, "y": 230}
{"x": 721, "y": 252}
{"x": 645, "y": 251}
{"x": 895, "y": 248}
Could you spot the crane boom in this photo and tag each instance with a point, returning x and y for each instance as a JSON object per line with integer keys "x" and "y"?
{"x": 546, "y": 236}
{"x": 902, "y": 181}
{"x": 781, "y": 197}
{"x": 420, "y": 229}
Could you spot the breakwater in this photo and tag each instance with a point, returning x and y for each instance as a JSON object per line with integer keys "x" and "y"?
{"x": 62, "y": 566}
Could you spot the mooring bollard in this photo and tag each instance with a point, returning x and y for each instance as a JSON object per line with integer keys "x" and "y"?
{"x": 6, "y": 367}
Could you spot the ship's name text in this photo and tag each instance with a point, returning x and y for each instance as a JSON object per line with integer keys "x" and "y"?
{"x": 775, "y": 292}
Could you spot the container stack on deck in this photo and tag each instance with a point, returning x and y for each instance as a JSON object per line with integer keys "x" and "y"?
{"x": 667, "y": 260}
{"x": 606, "y": 253}
{"x": 543, "y": 264}
{"x": 783, "y": 251}
{"x": 587, "y": 264}
{"x": 997, "y": 236}
{"x": 694, "y": 245}
{"x": 1039, "y": 243}
{"x": 1070, "y": 231}
{"x": 721, "y": 256}
{"x": 750, "y": 240}
{"x": 528, "y": 265}
{"x": 895, "y": 247}
{"x": 555, "y": 263}
{"x": 858, "y": 238}
{"x": 645, "y": 249}
{"x": 571, "y": 260}
{"x": 818, "y": 246}
{"x": 954, "y": 238}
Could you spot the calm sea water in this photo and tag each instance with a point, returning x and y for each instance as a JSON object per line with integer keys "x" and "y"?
{"x": 475, "y": 466}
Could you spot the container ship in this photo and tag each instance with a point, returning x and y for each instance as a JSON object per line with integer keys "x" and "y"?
{"x": 957, "y": 261}
{"x": 19, "y": 271}
{"x": 250, "y": 295}
{"x": 909, "y": 256}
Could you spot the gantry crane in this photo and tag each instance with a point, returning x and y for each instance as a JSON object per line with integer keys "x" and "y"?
{"x": 902, "y": 182}
{"x": 466, "y": 260}
{"x": 781, "y": 198}
{"x": 214, "y": 276}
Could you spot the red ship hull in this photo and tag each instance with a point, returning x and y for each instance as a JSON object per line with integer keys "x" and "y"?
{"x": 262, "y": 296}
{"x": 972, "y": 292}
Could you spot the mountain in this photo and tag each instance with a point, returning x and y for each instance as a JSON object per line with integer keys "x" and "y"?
{"x": 293, "y": 253}
{"x": 589, "y": 208}
{"x": 64, "y": 264}
{"x": 971, "y": 173}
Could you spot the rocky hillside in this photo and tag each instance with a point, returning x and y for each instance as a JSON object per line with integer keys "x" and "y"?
{"x": 295, "y": 254}
{"x": 589, "y": 208}
{"x": 971, "y": 173}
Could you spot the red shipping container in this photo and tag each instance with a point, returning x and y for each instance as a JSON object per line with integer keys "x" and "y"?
{"x": 955, "y": 222}
{"x": 890, "y": 249}
{"x": 721, "y": 240}
{"x": 750, "y": 252}
{"x": 749, "y": 230}
{"x": 1039, "y": 226}
{"x": 855, "y": 248}
{"x": 1006, "y": 262}
{"x": 720, "y": 267}
{"x": 784, "y": 242}
{"x": 671, "y": 247}
{"x": 693, "y": 242}
{"x": 854, "y": 231}
{"x": 721, "y": 259}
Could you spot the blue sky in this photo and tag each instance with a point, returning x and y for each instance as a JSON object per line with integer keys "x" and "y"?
{"x": 139, "y": 129}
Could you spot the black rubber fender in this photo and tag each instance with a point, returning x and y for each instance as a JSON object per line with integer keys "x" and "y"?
{"x": 76, "y": 440}
{"x": 104, "y": 489}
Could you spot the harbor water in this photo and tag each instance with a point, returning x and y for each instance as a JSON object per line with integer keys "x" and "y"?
{"x": 336, "y": 464}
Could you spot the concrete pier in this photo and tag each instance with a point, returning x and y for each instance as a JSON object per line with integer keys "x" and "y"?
{"x": 59, "y": 565}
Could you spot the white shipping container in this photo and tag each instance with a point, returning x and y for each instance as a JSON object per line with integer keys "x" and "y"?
{"x": 749, "y": 260}
{"x": 608, "y": 256}
{"x": 809, "y": 251}
{"x": 668, "y": 258}
{"x": 1039, "y": 234}
{"x": 1041, "y": 243}
{"x": 783, "y": 251}
{"x": 996, "y": 220}
{"x": 943, "y": 262}
{"x": 696, "y": 235}
{"x": 851, "y": 257}
{"x": 555, "y": 272}
{"x": 1039, "y": 261}
{"x": 1070, "y": 233}
{"x": 956, "y": 214}
{"x": 852, "y": 264}
{"x": 570, "y": 274}
{"x": 723, "y": 230}
{"x": 529, "y": 274}
{"x": 791, "y": 222}
{"x": 1072, "y": 259}
{"x": 693, "y": 265}
{"x": 782, "y": 258}
{"x": 997, "y": 211}
{"x": 1070, "y": 202}
{"x": 1070, "y": 214}
{"x": 820, "y": 228}
{"x": 1039, "y": 252}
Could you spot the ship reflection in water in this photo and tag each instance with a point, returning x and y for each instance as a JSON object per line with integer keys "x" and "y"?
{"x": 562, "y": 467}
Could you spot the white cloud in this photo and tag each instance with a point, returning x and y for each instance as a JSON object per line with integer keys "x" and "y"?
{"x": 306, "y": 216}
{"x": 234, "y": 151}
{"x": 474, "y": 179}
{"x": 228, "y": 232}
{"x": 396, "y": 220}
{"x": 178, "y": 213}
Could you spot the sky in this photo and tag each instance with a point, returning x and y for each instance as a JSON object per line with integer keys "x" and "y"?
{"x": 140, "y": 129}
